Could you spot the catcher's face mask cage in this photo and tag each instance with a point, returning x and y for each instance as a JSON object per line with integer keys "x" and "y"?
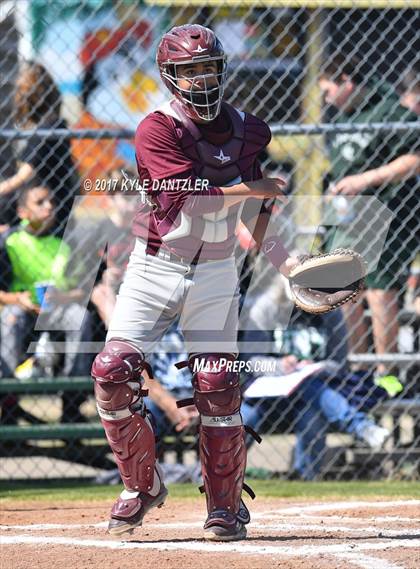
{"x": 203, "y": 99}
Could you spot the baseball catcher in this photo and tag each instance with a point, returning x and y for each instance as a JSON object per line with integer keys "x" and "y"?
{"x": 183, "y": 266}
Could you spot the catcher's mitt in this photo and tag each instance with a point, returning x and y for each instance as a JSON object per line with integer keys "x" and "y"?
{"x": 322, "y": 283}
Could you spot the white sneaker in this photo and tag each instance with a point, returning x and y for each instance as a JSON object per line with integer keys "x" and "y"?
{"x": 374, "y": 436}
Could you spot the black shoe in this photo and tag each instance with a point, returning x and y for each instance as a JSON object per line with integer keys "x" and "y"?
{"x": 224, "y": 526}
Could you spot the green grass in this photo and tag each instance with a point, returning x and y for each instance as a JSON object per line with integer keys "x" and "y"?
{"x": 73, "y": 490}
{"x": 337, "y": 490}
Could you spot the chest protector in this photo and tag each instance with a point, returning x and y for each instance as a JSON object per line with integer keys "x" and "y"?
{"x": 221, "y": 164}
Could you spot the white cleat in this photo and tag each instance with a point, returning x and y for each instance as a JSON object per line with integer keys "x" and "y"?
{"x": 375, "y": 436}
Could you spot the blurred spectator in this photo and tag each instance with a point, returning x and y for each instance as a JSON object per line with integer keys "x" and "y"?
{"x": 93, "y": 157}
{"x": 380, "y": 164}
{"x": 37, "y": 105}
{"x": 331, "y": 397}
{"x": 410, "y": 89}
{"x": 30, "y": 257}
{"x": 410, "y": 98}
{"x": 116, "y": 229}
{"x": 176, "y": 385}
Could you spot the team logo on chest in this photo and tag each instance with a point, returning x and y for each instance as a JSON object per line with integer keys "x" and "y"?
{"x": 223, "y": 159}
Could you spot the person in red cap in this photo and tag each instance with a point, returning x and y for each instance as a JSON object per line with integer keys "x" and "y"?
{"x": 197, "y": 159}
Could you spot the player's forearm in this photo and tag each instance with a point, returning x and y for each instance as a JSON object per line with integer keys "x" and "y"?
{"x": 216, "y": 198}
{"x": 236, "y": 194}
{"x": 257, "y": 226}
{"x": 176, "y": 194}
{"x": 211, "y": 199}
{"x": 399, "y": 169}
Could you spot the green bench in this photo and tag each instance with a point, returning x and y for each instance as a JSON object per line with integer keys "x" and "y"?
{"x": 83, "y": 443}
{"x": 46, "y": 386}
{"x": 70, "y": 431}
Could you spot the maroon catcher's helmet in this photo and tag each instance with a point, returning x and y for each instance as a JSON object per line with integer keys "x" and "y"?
{"x": 193, "y": 44}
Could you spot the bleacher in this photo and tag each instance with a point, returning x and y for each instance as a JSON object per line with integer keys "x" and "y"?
{"x": 85, "y": 443}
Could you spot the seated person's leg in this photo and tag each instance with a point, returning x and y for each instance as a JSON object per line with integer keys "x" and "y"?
{"x": 311, "y": 427}
{"x": 15, "y": 324}
{"x": 77, "y": 325}
{"x": 161, "y": 425}
{"x": 340, "y": 413}
{"x": 8, "y": 402}
{"x": 384, "y": 309}
{"x": 251, "y": 417}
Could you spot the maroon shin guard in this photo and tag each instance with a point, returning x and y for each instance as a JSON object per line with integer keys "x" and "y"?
{"x": 133, "y": 443}
{"x": 222, "y": 438}
{"x": 118, "y": 389}
{"x": 223, "y": 461}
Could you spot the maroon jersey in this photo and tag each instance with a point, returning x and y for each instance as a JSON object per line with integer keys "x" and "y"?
{"x": 171, "y": 146}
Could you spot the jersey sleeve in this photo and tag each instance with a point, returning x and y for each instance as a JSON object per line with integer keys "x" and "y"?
{"x": 157, "y": 148}
{"x": 192, "y": 202}
{"x": 158, "y": 152}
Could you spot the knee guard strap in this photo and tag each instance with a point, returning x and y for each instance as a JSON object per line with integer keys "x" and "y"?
{"x": 119, "y": 394}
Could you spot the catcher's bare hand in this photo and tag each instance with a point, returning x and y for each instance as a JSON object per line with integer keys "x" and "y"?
{"x": 267, "y": 187}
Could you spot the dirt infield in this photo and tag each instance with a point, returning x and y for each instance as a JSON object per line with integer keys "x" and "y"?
{"x": 283, "y": 533}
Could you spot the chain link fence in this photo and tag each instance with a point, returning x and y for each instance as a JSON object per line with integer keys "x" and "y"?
{"x": 338, "y": 82}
